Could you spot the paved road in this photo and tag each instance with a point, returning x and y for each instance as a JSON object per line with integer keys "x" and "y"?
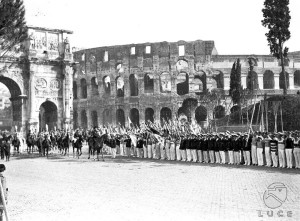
{"x": 63, "y": 188}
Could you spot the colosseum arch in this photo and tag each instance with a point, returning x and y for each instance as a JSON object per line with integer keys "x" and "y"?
{"x": 149, "y": 115}
{"x": 75, "y": 119}
{"x": 94, "y": 116}
{"x": 84, "y": 123}
{"x": 201, "y": 114}
{"x": 107, "y": 117}
{"x": 120, "y": 86}
{"x": 218, "y": 76}
{"x": 165, "y": 114}
{"x": 133, "y": 84}
{"x": 135, "y": 116}
{"x": 268, "y": 80}
{"x": 182, "y": 83}
{"x": 200, "y": 82}
{"x": 148, "y": 83}
{"x": 120, "y": 117}
{"x": 106, "y": 85}
{"x": 165, "y": 82}
{"x": 83, "y": 86}
{"x": 94, "y": 83}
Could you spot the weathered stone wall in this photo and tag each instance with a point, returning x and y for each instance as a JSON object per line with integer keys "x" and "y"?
{"x": 206, "y": 70}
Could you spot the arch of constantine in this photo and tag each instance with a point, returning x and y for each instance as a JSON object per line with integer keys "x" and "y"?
{"x": 38, "y": 75}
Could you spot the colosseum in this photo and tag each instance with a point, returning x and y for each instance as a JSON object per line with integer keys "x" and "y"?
{"x": 167, "y": 80}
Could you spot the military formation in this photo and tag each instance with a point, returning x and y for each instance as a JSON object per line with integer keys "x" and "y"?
{"x": 254, "y": 148}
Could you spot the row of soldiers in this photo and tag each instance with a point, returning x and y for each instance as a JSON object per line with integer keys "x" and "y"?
{"x": 258, "y": 148}
{"x": 269, "y": 149}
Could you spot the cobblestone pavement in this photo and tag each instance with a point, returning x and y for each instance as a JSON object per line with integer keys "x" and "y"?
{"x": 63, "y": 188}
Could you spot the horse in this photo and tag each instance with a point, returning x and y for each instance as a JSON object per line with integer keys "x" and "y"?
{"x": 98, "y": 145}
{"x": 30, "y": 141}
{"x": 77, "y": 145}
{"x": 6, "y": 149}
{"x": 39, "y": 143}
{"x": 65, "y": 145}
{"x": 90, "y": 141}
{"x": 46, "y": 145}
{"x": 16, "y": 144}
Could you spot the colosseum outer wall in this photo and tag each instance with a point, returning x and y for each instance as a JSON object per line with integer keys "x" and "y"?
{"x": 152, "y": 81}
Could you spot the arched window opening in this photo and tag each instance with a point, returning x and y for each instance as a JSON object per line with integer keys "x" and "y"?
{"x": 84, "y": 119}
{"x": 165, "y": 115}
{"x": 149, "y": 115}
{"x": 149, "y": 83}
{"x": 252, "y": 80}
{"x": 94, "y": 118}
{"x": 120, "y": 86}
{"x": 75, "y": 120}
{"x": 120, "y": 117}
{"x": 201, "y": 114}
{"x": 182, "y": 83}
{"x": 165, "y": 82}
{"x": 218, "y": 78}
{"x": 94, "y": 83}
{"x": 106, "y": 85}
{"x": 268, "y": 80}
{"x": 83, "y": 88}
{"x": 133, "y": 82}
{"x": 107, "y": 117}
{"x": 134, "y": 117}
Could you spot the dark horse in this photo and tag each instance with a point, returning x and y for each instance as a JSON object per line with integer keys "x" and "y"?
{"x": 30, "y": 141}
{"x": 46, "y": 145}
{"x": 16, "y": 144}
{"x": 77, "y": 145}
{"x": 64, "y": 144}
{"x": 97, "y": 142}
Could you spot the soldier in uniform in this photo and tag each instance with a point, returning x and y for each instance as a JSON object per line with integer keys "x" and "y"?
{"x": 281, "y": 151}
{"x": 177, "y": 146}
{"x": 172, "y": 147}
{"x": 247, "y": 149}
{"x": 274, "y": 150}
{"x": 230, "y": 147}
{"x": 204, "y": 145}
{"x": 266, "y": 142}
{"x": 289, "y": 146}
{"x": 254, "y": 149}
{"x": 199, "y": 149}
{"x": 183, "y": 148}
{"x": 139, "y": 146}
{"x": 296, "y": 151}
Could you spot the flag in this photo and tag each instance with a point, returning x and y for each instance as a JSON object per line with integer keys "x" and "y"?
{"x": 129, "y": 122}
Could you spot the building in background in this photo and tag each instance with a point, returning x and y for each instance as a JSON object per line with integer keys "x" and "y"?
{"x": 167, "y": 81}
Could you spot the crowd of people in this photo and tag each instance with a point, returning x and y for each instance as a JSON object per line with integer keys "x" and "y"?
{"x": 280, "y": 149}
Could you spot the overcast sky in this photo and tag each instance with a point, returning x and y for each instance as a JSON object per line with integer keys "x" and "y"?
{"x": 234, "y": 25}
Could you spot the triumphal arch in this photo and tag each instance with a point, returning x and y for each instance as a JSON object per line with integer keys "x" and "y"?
{"x": 38, "y": 74}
